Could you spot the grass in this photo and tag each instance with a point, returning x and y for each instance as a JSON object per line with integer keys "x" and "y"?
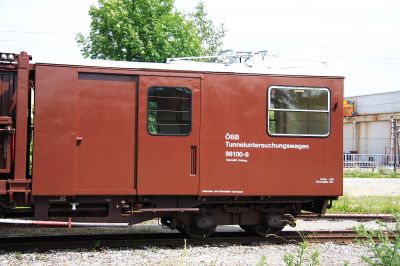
{"x": 18, "y": 255}
{"x": 183, "y": 258}
{"x": 262, "y": 261}
{"x": 367, "y": 173}
{"x": 367, "y": 204}
{"x": 385, "y": 251}
{"x": 300, "y": 258}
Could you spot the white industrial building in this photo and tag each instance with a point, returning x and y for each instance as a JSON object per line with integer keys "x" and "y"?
{"x": 369, "y": 131}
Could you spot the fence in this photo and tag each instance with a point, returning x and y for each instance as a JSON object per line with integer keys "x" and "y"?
{"x": 368, "y": 160}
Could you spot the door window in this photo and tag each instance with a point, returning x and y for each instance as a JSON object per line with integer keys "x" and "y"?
{"x": 169, "y": 111}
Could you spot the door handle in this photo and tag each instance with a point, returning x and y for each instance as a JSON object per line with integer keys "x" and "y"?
{"x": 193, "y": 160}
{"x": 78, "y": 140}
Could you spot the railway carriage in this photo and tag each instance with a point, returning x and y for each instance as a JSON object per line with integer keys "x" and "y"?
{"x": 194, "y": 145}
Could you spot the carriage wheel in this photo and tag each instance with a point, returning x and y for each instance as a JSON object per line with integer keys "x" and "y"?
{"x": 261, "y": 229}
{"x": 193, "y": 231}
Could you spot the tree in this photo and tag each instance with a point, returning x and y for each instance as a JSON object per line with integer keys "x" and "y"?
{"x": 148, "y": 31}
{"x": 210, "y": 36}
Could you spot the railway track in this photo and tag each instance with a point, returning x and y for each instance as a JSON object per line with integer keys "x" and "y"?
{"x": 167, "y": 239}
{"x": 348, "y": 216}
{"x": 78, "y": 240}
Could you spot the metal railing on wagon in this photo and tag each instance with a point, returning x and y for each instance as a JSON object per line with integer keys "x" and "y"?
{"x": 351, "y": 160}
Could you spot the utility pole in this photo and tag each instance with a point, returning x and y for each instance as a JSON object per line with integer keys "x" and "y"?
{"x": 394, "y": 125}
{"x": 397, "y": 141}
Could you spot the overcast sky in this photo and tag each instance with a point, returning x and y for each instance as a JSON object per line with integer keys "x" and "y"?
{"x": 360, "y": 39}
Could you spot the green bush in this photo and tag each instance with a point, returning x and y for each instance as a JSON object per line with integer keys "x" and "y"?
{"x": 385, "y": 251}
{"x": 300, "y": 259}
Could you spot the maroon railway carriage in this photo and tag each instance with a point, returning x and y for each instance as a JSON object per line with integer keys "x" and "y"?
{"x": 128, "y": 142}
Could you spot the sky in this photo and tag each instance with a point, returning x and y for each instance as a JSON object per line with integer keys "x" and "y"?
{"x": 358, "y": 39}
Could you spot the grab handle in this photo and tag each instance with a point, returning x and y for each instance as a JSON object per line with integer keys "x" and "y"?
{"x": 193, "y": 160}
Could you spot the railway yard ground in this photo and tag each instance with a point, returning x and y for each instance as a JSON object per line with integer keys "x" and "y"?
{"x": 369, "y": 195}
{"x": 265, "y": 253}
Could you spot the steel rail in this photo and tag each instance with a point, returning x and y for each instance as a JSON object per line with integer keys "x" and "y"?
{"x": 304, "y": 216}
{"x": 167, "y": 239}
{"x": 348, "y": 216}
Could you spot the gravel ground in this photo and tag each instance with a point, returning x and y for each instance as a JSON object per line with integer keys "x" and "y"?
{"x": 372, "y": 186}
{"x": 330, "y": 253}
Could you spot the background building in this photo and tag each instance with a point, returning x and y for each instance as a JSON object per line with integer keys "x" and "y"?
{"x": 370, "y": 123}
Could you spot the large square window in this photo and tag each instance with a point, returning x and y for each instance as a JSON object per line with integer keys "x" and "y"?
{"x": 298, "y": 111}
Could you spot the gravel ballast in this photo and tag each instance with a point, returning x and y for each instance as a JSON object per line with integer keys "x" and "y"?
{"x": 330, "y": 254}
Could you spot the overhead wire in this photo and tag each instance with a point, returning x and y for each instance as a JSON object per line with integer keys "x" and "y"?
{"x": 38, "y": 32}
{"x": 367, "y": 57}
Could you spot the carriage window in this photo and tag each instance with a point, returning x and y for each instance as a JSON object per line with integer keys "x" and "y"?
{"x": 298, "y": 111}
{"x": 169, "y": 111}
